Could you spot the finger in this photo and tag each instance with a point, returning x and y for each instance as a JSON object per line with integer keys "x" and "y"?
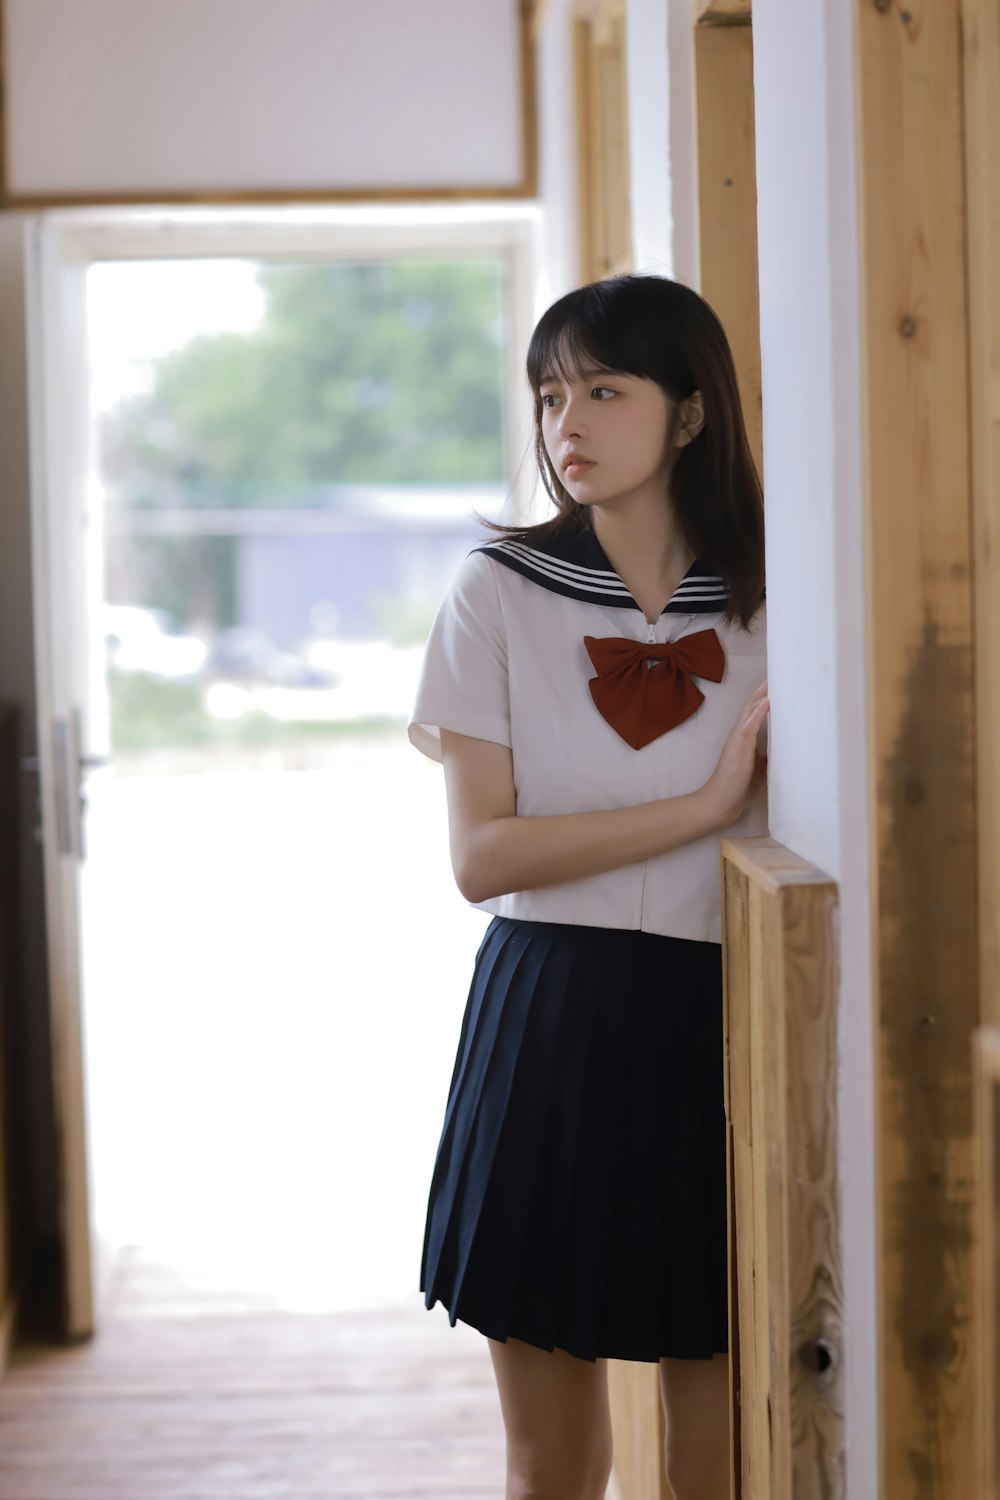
{"x": 754, "y": 714}
{"x": 757, "y": 705}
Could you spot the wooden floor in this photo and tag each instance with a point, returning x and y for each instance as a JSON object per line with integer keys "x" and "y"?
{"x": 193, "y": 1393}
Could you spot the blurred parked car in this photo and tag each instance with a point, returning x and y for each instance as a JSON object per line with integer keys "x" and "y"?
{"x": 144, "y": 640}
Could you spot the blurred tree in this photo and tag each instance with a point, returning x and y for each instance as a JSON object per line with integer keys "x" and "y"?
{"x": 389, "y": 372}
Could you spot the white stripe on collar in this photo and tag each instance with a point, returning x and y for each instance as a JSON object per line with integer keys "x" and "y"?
{"x": 576, "y": 566}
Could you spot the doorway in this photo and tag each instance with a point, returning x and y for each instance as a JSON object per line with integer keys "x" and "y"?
{"x": 280, "y": 512}
{"x": 271, "y": 957}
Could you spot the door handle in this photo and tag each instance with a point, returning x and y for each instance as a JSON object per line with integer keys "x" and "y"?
{"x": 70, "y": 831}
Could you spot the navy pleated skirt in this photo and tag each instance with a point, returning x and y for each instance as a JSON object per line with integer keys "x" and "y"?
{"x": 578, "y": 1197}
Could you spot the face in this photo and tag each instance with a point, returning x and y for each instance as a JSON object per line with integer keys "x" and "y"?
{"x": 606, "y": 435}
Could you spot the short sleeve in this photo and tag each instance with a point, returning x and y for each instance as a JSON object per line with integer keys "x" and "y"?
{"x": 463, "y": 679}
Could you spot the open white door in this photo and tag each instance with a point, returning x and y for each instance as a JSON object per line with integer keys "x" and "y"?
{"x": 72, "y": 717}
{"x": 67, "y": 526}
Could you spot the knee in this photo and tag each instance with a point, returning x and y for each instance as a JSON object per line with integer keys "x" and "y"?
{"x": 577, "y": 1476}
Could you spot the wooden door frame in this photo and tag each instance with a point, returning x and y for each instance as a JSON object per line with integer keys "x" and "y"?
{"x": 602, "y": 135}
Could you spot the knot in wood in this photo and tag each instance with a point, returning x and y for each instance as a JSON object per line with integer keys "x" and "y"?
{"x": 816, "y": 1355}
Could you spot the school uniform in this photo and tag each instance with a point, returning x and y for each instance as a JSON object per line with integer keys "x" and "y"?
{"x": 578, "y": 1197}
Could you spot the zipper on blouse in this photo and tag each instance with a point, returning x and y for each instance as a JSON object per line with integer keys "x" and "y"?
{"x": 650, "y": 641}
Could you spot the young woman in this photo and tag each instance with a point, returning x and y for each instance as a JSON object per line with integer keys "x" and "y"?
{"x": 595, "y": 687}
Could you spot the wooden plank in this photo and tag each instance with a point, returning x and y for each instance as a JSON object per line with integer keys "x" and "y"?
{"x": 805, "y": 1010}
{"x": 194, "y": 1391}
{"x": 780, "y": 978}
{"x": 915, "y": 356}
{"x": 588, "y": 187}
{"x": 727, "y": 205}
{"x": 537, "y": 15}
{"x": 603, "y": 178}
{"x": 757, "y": 1411}
{"x": 981, "y": 94}
{"x": 639, "y": 1427}
{"x": 770, "y": 866}
{"x": 610, "y": 60}
{"x": 736, "y": 1013}
{"x": 771, "y": 1172}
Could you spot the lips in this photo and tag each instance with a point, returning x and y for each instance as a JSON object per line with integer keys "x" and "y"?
{"x": 574, "y": 464}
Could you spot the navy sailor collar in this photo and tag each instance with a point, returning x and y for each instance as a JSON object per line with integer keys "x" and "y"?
{"x": 575, "y": 564}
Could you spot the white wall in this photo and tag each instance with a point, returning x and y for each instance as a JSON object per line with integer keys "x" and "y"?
{"x": 810, "y": 321}
{"x": 107, "y": 96}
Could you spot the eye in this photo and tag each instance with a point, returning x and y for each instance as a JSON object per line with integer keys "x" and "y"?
{"x": 549, "y": 399}
{"x": 601, "y": 392}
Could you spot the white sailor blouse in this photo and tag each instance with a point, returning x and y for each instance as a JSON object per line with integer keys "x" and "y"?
{"x": 542, "y": 648}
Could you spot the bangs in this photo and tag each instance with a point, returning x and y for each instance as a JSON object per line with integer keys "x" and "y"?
{"x": 563, "y": 354}
{"x": 592, "y": 328}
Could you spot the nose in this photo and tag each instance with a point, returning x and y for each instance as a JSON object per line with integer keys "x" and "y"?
{"x": 571, "y": 422}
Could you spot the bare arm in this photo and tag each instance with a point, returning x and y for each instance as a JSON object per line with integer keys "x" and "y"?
{"x": 493, "y": 851}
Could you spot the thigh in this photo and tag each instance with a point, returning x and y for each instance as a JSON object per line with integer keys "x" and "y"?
{"x": 696, "y": 1402}
{"x": 555, "y": 1411}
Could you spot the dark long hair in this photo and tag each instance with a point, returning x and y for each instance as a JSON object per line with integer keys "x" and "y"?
{"x": 662, "y": 330}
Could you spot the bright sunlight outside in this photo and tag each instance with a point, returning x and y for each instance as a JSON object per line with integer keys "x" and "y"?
{"x": 276, "y": 957}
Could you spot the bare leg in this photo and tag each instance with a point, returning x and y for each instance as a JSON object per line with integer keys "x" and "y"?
{"x": 696, "y": 1401}
{"x": 555, "y": 1409}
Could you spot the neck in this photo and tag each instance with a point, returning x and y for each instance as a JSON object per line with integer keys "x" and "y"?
{"x": 644, "y": 542}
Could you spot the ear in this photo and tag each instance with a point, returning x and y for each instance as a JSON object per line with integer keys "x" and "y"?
{"x": 692, "y": 418}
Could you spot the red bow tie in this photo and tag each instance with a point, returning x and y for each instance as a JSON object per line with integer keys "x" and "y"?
{"x": 642, "y": 702}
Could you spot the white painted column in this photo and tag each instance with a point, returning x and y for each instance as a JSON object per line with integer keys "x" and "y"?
{"x": 810, "y": 335}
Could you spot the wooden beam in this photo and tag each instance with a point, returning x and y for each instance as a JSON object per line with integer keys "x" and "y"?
{"x": 780, "y": 984}
{"x": 537, "y": 11}
{"x": 915, "y": 401}
{"x": 721, "y": 12}
{"x": 604, "y": 191}
{"x": 639, "y": 1429}
{"x": 981, "y": 96}
{"x": 981, "y": 93}
{"x": 727, "y": 206}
